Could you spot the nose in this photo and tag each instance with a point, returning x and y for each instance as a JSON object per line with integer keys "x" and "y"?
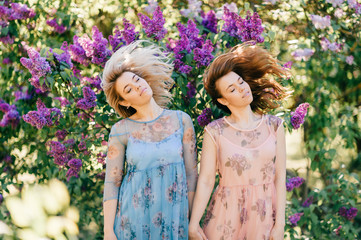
{"x": 240, "y": 89}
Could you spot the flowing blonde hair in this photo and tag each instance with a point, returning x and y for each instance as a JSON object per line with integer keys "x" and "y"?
{"x": 146, "y": 60}
{"x": 257, "y": 67}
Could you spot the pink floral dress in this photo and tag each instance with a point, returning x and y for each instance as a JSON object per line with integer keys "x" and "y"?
{"x": 243, "y": 205}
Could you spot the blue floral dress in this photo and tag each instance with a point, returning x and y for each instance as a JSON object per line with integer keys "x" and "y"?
{"x": 161, "y": 168}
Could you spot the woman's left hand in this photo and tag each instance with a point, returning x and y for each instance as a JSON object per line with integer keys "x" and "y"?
{"x": 277, "y": 233}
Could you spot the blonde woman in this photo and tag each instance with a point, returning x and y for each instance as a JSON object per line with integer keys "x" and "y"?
{"x": 155, "y": 145}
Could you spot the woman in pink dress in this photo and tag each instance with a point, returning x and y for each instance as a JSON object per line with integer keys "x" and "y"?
{"x": 246, "y": 148}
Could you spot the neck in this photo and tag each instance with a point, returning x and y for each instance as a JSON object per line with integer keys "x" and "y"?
{"x": 148, "y": 111}
{"x": 243, "y": 116}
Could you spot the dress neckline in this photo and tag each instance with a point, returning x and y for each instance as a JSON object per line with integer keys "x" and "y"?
{"x": 240, "y": 129}
{"x": 149, "y": 120}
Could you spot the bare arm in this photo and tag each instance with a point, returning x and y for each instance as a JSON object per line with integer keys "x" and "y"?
{"x": 205, "y": 182}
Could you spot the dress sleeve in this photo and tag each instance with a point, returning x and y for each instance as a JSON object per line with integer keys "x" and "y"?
{"x": 213, "y": 130}
{"x": 275, "y": 123}
{"x": 114, "y": 163}
{"x": 190, "y": 152}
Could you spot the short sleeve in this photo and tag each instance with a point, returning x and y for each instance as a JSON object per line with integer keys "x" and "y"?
{"x": 274, "y": 123}
{"x": 114, "y": 163}
{"x": 213, "y": 130}
{"x": 190, "y": 152}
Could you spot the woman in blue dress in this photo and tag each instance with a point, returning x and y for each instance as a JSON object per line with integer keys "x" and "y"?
{"x": 154, "y": 146}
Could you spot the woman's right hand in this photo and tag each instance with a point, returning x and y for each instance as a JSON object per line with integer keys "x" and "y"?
{"x": 196, "y": 233}
{"x": 110, "y": 235}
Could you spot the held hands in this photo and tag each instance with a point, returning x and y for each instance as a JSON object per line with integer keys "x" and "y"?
{"x": 196, "y": 233}
{"x": 277, "y": 233}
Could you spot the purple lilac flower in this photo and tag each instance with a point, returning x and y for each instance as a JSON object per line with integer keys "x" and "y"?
{"x": 327, "y": 45}
{"x": 63, "y": 101}
{"x": 349, "y": 60}
{"x": 230, "y": 22}
{"x": 294, "y": 182}
{"x": 78, "y": 53}
{"x": 185, "y": 69}
{"x": 191, "y": 90}
{"x": 194, "y": 7}
{"x": 348, "y": 213}
{"x": 302, "y": 54}
{"x": 203, "y": 56}
{"x": 89, "y": 100}
{"x": 94, "y": 81}
{"x": 250, "y": 28}
{"x": 288, "y": 65}
{"x": 116, "y": 41}
{"x": 7, "y": 61}
{"x": 75, "y": 163}
{"x": 1, "y": 198}
{"x": 353, "y": 4}
{"x": 44, "y": 116}
{"x": 294, "y": 219}
{"x": 321, "y": 22}
{"x": 101, "y": 158}
{"x": 58, "y": 152}
{"x": 205, "y": 117}
{"x": 153, "y": 4}
{"x": 57, "y": 28}
{"x": 209, "y": 21}
{"x": 38, "y": 67}
{"x": 335, "y": 3}
{"x": 20, "y": 95}
{"x": 11, "y": 115}
{"x": 154, "y": 27}
{"x": 21, "y": 11}
{"x": 95, "y": 49}
{"x": 61, "y": 134}
{"x": 7, "y": 39}
{"x": 307, "y": 202}
{"x": 69, "y": 143}
{"x": 232, "y": 7}
{"x": 7, "y": 159}
{"x": 64, "y": 56}
{"x": 82, "y": 146}
{"x": 339, "y": 13}
{"x": 72, "y": 172}
{"x": 298, "y": 116}
{"x": 101, "y": 175}
{"x": 129, "y": 32}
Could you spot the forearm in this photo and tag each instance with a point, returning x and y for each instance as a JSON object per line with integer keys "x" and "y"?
{"x": 190, "y": 202}
{"x": 280, "y": 184}
{"x": 204, "y": 191}
{"x": 109, "y": 207}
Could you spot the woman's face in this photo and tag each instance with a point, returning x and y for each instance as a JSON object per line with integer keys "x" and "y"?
{"x": 234, "y": 90}
{"x": 133, "y": 89}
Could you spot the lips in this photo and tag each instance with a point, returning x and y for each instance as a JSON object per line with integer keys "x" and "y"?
{"x": 245, "y": 95}
{"x": 142, "y": 91}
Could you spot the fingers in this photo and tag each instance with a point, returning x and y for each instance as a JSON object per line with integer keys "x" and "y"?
{"x": 204, "y": 237}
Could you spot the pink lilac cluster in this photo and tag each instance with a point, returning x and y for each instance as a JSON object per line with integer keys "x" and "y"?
{"x": 129, "y": 33}
{"x": 327, "y": 45}
{"x": 302, "y": 54}
{"x": 57, "y": 28}
{"x": 348, "y": 213}
{"x": 78, "y": 53}
{"x": 337, "y": 230}
{"x": 95, "y": 49}
{"x": 61, "y": 134}
{"x": 339, "y": 13}
{"x": 298, "y": 116}
{"x": 191, "y": 90}
{"x": 43, "y": 116}
{"x": 94, "y": 81}
{"x": 209, "y": 20}
{"x": 335, "y": 3}
{"x": 154, "y": 27}
{"x": 321, "y": 22}
{"x": 89, "y": 100}
{"x": 307, "y": 202}
{"x": 11, "y": 115}
{"x": 349, "y": 60}
{"x": 288, "y": 65}
{"x": 116, "y": 41}
{"x": 38, "y": 67}
{"x": 205, "y": 117}
{"x": 65, "y": 56}
{"x": 294, "y": 182}
{"x": 250, "y": 28}
{"x": 295, "y": 218}
{"x": 101, "y": 158}
{"x": 353, "y": 4}
{"x": 152, "y": 5}
{"x": 203, "y": 56}
{"x": 75, "y": 165}
{"x": 63, "y": 101}
{"x": 194, "y": 7}
{"x": 59, "y": 152}
{"x": 188, "y": 41}
{"x": 82, "y": 148}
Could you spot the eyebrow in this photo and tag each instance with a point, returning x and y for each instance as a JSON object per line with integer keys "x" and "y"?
{"x": 232, "y": 84}
{"x": 128, "y": 84}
